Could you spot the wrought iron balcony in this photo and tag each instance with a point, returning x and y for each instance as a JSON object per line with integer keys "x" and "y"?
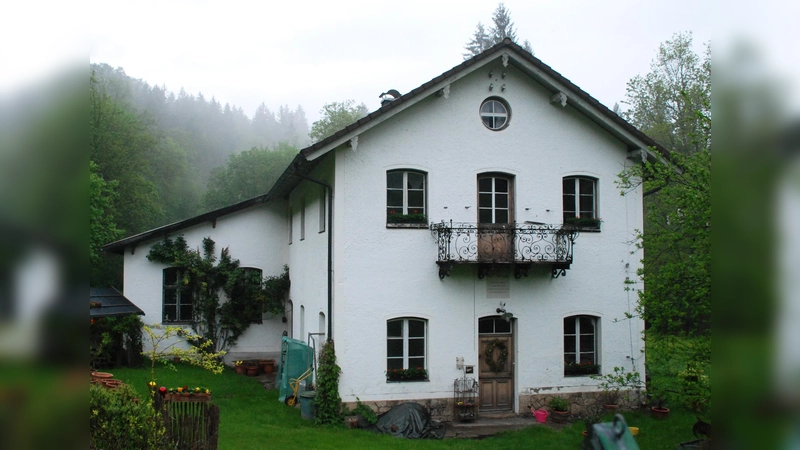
{"x": 519, "y": 244}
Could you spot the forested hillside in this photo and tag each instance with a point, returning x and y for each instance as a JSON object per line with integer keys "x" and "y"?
{"x": 158, "y": 157}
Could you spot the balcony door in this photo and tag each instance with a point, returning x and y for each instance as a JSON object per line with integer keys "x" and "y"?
{"x": 495, "y": 217}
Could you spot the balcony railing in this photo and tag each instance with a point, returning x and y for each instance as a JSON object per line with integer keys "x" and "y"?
{"x": 519, "y": 244}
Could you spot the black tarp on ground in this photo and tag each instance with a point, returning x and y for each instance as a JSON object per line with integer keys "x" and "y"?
{"x": 409, "y": 420}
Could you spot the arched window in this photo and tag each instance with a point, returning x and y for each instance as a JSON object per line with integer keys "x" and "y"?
{"x": 405, "y": 197}
{"x": 580, "y": 202}
{"x": 580, "y": 345}
{"x": 406, "y": 349}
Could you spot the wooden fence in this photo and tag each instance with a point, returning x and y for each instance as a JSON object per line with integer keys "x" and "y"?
{"x": 192, "y": 422}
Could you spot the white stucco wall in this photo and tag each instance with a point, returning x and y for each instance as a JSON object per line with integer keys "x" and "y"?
{"x": 251, "y": 236}
{"x": 308, "y": 257}
{"x": 383, "y": 273}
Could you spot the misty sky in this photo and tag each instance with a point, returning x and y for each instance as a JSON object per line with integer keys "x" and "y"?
{"x": 311, "y": 52}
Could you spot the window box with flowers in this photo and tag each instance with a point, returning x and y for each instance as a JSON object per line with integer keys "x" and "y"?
{"x": 572, "y": 369}
{"x": 412, "y": 374}
{"x": 583, "y": 223}
{"x": 415, "y": 218}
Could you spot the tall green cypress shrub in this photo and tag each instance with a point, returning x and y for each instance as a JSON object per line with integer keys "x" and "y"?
{"x": 328, "y": 401}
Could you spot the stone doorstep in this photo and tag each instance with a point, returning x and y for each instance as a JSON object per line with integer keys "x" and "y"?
{"x": 488, "y": 424}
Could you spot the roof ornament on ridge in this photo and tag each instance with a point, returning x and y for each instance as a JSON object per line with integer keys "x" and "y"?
{"x": 389, "y": 96}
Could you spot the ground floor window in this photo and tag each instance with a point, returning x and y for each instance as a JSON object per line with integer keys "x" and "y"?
{"x": 580, "y": 346}
{"x": 406, "y": 348}
{"x": 177, "y": 304}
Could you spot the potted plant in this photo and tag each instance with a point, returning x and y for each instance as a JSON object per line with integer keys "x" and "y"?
{"x": 659, "y": 397}
{"x": 410, "y": 374}
{"x": 560, "y": 407}
{"x": 239, "y": 367}
{"x": 594, "y": 417}
{"x": 583, "y": 223}
{"x": 252, "y": 368}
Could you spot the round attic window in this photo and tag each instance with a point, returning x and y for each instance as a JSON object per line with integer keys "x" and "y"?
{"x": 495, "y": 114}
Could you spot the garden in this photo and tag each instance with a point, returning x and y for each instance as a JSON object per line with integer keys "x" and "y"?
{"x": 252, "y": 417}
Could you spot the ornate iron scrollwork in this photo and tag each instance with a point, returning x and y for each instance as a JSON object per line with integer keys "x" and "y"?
{"x": 518, "y": 244}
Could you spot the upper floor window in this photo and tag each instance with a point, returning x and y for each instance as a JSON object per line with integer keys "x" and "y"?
{"x": 177, "y": 302}
{"x": 406, "y": 344}
{"x": 495, "y": 199}
{"x": 580, "y": 345}
{"x": 405, "y": 197}
{"x": 580, "y": 202}
{"x": 495, "y": 114}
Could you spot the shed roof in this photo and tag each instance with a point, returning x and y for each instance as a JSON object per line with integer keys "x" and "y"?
{"x": 109, "y": 302}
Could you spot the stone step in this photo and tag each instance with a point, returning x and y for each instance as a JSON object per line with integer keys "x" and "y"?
{"x": 488, "y": 424}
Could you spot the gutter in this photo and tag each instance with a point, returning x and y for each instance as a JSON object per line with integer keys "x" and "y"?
{"x": 329, "y": 191}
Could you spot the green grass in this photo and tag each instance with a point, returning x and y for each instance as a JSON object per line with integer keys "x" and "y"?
{"x": 252, "y": 418}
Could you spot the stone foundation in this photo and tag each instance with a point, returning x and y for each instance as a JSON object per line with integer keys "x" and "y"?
{"x": 583, "y": 404}
{"x": 440, "y": 409}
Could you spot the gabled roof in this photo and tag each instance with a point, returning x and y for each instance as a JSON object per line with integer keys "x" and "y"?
{"x": 310, "y": 157}
{"x": 109, "y": 302}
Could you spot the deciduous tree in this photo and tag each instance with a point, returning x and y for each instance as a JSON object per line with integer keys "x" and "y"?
{"x": 248, "y": 174}
{"x": 335, "y": 116}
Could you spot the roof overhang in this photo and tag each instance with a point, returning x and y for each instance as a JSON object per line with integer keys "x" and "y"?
{"x": 109, "y": 302}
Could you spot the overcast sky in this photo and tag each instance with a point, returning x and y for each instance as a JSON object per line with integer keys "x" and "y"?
{"x": 311, "y": 52}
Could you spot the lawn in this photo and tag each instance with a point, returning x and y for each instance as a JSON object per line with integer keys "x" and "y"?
{"x": 252, "y": 418}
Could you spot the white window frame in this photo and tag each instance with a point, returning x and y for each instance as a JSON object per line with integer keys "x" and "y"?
{"x": 576, "y": 179}
{"x": 509, "y": 195}
{"x": 577, "y": 353}
{"x": 406, "y": 189}
{"x": 493, "y": 116}
{"x": 405, "y": 338}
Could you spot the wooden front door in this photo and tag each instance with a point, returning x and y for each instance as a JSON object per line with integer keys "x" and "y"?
{"x": 495, "y": 218}
{"x": 496, "y": 364}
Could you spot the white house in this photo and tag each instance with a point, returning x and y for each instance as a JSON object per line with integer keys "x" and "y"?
{"x": 481, "y": 166}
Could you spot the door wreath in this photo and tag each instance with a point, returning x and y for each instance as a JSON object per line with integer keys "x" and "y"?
{"x": 488, "y": 353}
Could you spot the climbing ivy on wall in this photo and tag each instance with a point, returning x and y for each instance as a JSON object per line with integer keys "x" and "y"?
{"x": 204, "y": 278}
{"x": 328, "y": 400}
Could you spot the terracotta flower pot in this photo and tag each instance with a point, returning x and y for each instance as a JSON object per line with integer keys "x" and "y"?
{"x": 112, "y": 383}
{"x": 252, "y": 371}
{"x": 268, "y": 365}
{"x": 98, "y": 377}
{"x": 660, "y": 413}
{"x": 240, "y": 369}
{"x": 560, "y": 416}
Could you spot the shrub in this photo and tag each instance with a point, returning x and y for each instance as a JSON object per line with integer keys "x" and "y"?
{"x": 328, "y": 400}
{"x": 361, "y": 410}
{"x": 117, "y": 420}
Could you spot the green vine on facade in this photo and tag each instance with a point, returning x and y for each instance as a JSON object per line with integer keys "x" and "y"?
{"x": 500, "y": 364}
{"x": 202, "y": 278}
{"x": 328, "y": 401}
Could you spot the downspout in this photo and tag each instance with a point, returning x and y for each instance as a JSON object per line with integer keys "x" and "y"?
{"x": 329, "y": 191}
